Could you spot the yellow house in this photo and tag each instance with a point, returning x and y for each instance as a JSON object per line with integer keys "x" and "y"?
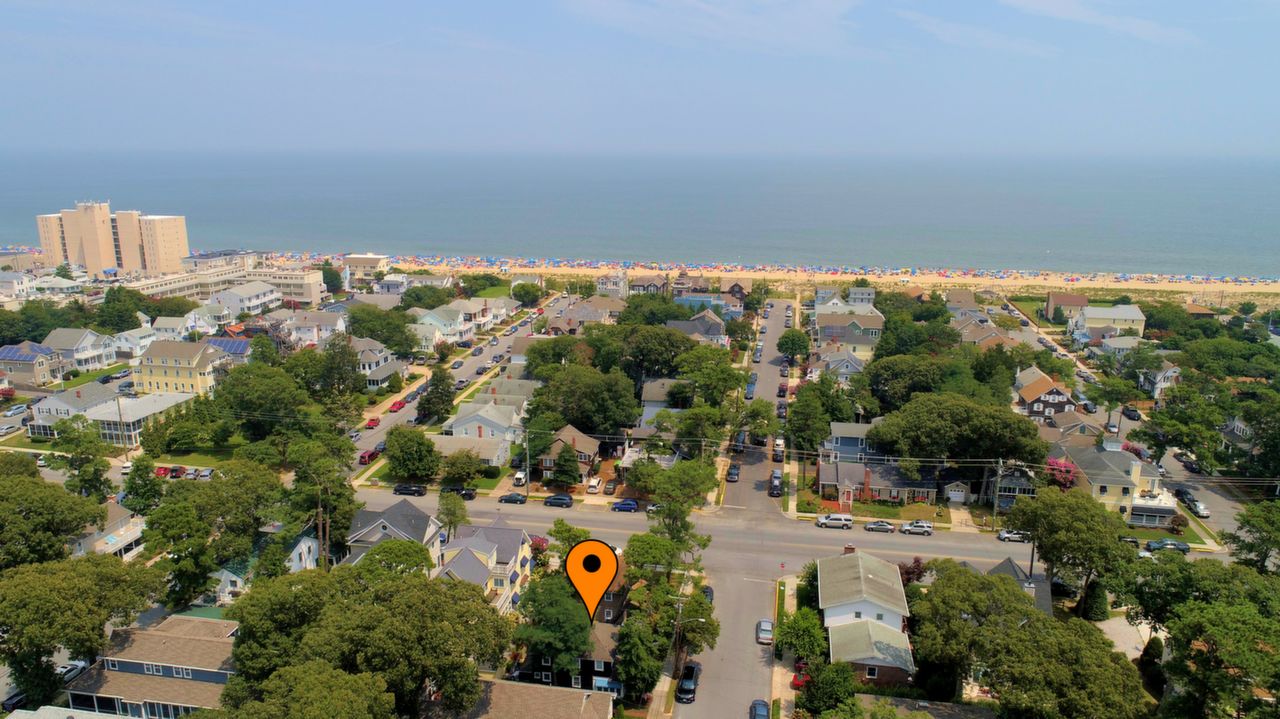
{"x": 498, "y": 557}
{"x": 1122, "y": 317}
{"x": 173, "y": 366}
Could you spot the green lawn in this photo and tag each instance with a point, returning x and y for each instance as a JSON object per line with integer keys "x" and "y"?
{"x": 206, "y": 457}
{"x": 88, "y": 377}
{"x": 780, "y": 601}
{"x": 495, "y": 292}
{"x": 20, "y": 439}
{"x": 1031, "y": 308}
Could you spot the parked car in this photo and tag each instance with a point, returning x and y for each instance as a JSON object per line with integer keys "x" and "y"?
{"x": 105, "y": 379}
{"x": 709, "y": 593}
{"x": 1131, "y": 412}
{"x": 764, "y": 631}
{"x": 493, "y": 341}
{"x": 380, "y": 447}
{"x": 687, "y": 689}
{"x": 71, "y": 670}
{"x": 878, "y": 526}
{"x": 749, "y": 393}
{"x": 917, "y": 526}
{"x": 367, "y": 456}
{"x": 775, "y": 483}
{"x": 41, "y": 463}
{"x": 1112, "y": 428}
{"x": 412, "y": 490}
{"x": 373, "y": 422}
{"x": 558, "y": 500}
{"x": 784, "y": 370}
{"x": 125, "y": 387}
{"x": 764, "y": 329}
{"x": 190, "y": 473}
{"x": 354, "y": 435}
{"x": 1184, "y": 495}
{"x": 1200, "y": 510}
{"x": 759, "y": 709}
{"x": 177, "y": 470}
{"x": 593, "y": 485}
{"x": 481, "y": 370}
{"x": 477, "y": 351}
{"x": 782, "y": 390}
{"x": 733, "y": 473}
{"x": 1157, "y": 545}
{"x": 611, "y": 487}
{"x": 625, "y": 505}
{"x": 162, "y": 472}
{"x": 653, "y": 508}
{"x": 757, "y": 356}
{"x": 798, "y": 681}
{"x": 1013, "y": 535}
{"x": 16, "y": 700}
{"x": 122, "y": 373}
{"x": 839, "y": 521}
{"x": 8, "y": 429}
{"x": 206, "y": 473}
{"x": 1024, "y": 322}
{"x": 466, "y": 493}
{"x": 397, "y": 405}
{"x": 15, "y": 410}
{"x": 513, "y": 498}
{"x": 461, "y": 384}
{"x": 456, "y": 364}
{"x": 518, "y": 479}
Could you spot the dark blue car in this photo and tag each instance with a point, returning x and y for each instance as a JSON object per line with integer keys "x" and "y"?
{"x": 558, "y": 500}
{"x": 626, "y": 505}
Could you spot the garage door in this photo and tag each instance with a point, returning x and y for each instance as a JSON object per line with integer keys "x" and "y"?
{"x": 955, "y": 495}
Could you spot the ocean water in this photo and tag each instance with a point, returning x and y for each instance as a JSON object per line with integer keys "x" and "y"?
{"x": 1175, "y": 217}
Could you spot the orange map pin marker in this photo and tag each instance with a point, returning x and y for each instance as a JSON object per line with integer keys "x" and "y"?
{"x": 591, "y": 566}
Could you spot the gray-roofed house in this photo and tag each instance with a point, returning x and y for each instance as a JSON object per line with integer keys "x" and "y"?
{"x": 586, "y": 447}
{"x": 67, "y": 404}
{"x": 879, "y": 655}
{"x": 132, "y": 343}
{"x": 838, "y": 360}
{"x": 493, "y": 452}
{"x": 402, "y": 520}
{"x": 705, "y": 327}
{"x": 383, "y": 301}
{"x": 524, "y": 700}
{"x": 1037, "y": 586}
{"x": 653, "y": 398}
{"x": 497, "y": 557}
{"x": 849, "y": 482}
{"x": 32, "y": 364}
{"x": 505, "y": 385}
{"x": 1155, "y": 382}
{"x": 251, "y": 298}
{"x": 864, "y": 608}
{"x": 82, "y": 349}
{"x": 121, "y": 422}
{"x": 375, "y": 362}
{"x": 170, "y": 328}
{"x": 484, "y": 420}
{"x": 169, "y": 670}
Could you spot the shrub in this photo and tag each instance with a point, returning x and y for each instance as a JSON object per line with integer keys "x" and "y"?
{"x": 1178, "y": 524}
{"x": 491, "y": 472}
{"x": 807, "y": 506}
{"x": 1096, "y": 606}
{"x": 71, "y": 374}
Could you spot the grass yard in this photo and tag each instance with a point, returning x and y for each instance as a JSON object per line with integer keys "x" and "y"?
{"x": 21, "y": 440}
{"x": 1031, "y": 308}
{"x": 779, "y": 602}
{"x": 786, "y": 491}
{"x": 88, "y": 377}
{"x": 206, "y": 457}
{"x": 495, "y": 292}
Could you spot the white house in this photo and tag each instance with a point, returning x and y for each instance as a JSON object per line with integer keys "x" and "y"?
{"x": 15, "y": 284}
{"x": 1154, "y": 382}
{"x": 308, "y": 328}
{"x": 132, "y": 343}
{"x": 375, "y": 362}
{"x": 208, "y": 319}
{"x": 858, "y": 585}
{"x": 170, "y": 328}
{"x": 453, "y": 324}
{"x": 83, "y": 349}
{"x": 120, "y": 535}
{"x": 476, "y": 312}
{"x": 250, "y": 298}
{"x": 484, "y": 420}
{"x": 235, "y": 577}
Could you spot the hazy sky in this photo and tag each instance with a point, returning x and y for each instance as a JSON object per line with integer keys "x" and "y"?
{"x": 1008, "y": 77}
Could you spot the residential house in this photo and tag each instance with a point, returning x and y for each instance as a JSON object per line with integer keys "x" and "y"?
{"x": 728, "y": 306}
{"x": 120, "y": 535}
{"x": 121, "y": 422}
{"x": 366, "y": 268}
{"x": 1237, "y": 433}
{"x": 169, "y": 366}
{"x": 492, "y": 451}
{"x": 375, "y": 362}
{"x": 397, "y": 282}
{"x": 426, "y": 336}
{"x": 297, "y": 285}
{"x": 1007, "y": 486}
{"x": 738, "y": 288}
{"x": 527, "y": 279}
{"x": 503, "y": 308}
{"x": 15, "y": 284}
{"x": 519, "y": 700}
{"x": 82, "y": 349}
{"x": 1118, "y": 346}
{"x": 235, "y": 577}
{"x": 838, "y": 360}
{"x": 452, "y": 323}
{"x": 67, "y": 404}
{"x": 1064, "y": 426}
{"x": 1070, "y": 304}
{"x": 1040, "y": 396}
{"x": 132, "y": 343}
{"x": 1119, "y": 317}
{"x": 686, "y": 283}
{"x": 172, "y": 669}
{"x": 595, "y": 668}
{"x": 484, "y": 420}
{"x": 848, "y": 441}
{"x": 520, "y": 352}
{"x": 251, "y": 298}
{"x": 1037, "y": 586}
{"x": 54, "y": 285}
{"x": 1199, "y": 312}
{"x": 613, "y": 284}
{"x": 856, "y": 295}
{"x": 961, "y": 302}
{"x": 610, "y": 306}
{"x": 497, "y": 557}
{"x": 237, "y": 350}
{"x": 519, "y": 403}
{"x": 402, "y": 520}
{"x": 1120, "y": 481}
{"x": 704, "y": 328}
{"x": 979, "y": 331}
{"x": 847, "y": 327}
{"x": 31, "y": 364}
{"x": 586, "y": 447}
{"x": 304, "y": 328}
{"x": 653, "y": 398}
{"x": 648, "y": 285}
{"x": 509, "y": 386}
{"x": 170, "y": 328}
{"x": 864, "y": 609}
{"x": 1155, "y": 382}
{"x": 207, "y": 319}
{"x": 849, "y": 482}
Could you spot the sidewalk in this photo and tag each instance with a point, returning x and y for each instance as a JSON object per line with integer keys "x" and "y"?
{"x": 781, "y": 680}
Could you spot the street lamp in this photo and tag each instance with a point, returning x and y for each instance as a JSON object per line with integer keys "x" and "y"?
{"x": 675, "y": 638}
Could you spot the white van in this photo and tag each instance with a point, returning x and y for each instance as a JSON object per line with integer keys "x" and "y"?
{"x": 593, "y": 485}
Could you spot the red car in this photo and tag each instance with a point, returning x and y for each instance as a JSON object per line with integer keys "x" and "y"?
{"x": 372, "y": 423}
{"x": 397, "y": 405}
{"x": 162, "y": 472}
{"x": 798, "y": 681}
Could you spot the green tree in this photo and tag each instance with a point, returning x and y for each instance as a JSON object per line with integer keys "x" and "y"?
{"x": 710, "y": 371}
{"x": 315, "y": 689}
{"x": 260, "y": 398}
{"x": 793, "y": 343}
{"x": 593, "y": 401}
{"x": 462, "y": 469}
{"x": 646, "y": 309}
{"x": 1059, "y": 317}
{"x": 452, "y": 512}
{"x": 83, "y": 455}
{"x": 808, "y": 423}
{"x": 1222, "y": 653}
{"x": 565, "y": 536}
{"x": 527, "y": 294}
{"x": 393, "y": 558}
{"x": 956, "y": 427}
{"x": 557, "y": 625}
{"x": 436, "y": 403}
{"x": 829, "y": 685}
{"x": 64, "y": 271}
{"x": 1256, "y": 541}
{"x": 390, "y": 327}
{"x": 180, "y": 538}
{"x": 1247, "y": 308}
{"x": 428, "y": 298}
{"x": 331, "y": 277}
{"x": 341, "y": 368}
{"x": 18, "y": 464}
{"x": 894, "y": 380}
{"x": 566, "y": 472}
{"x": 142, "y": 488}
{"x": 640, "y": 654}
{"x": 802, "y": 634}
{"x": 651, "y": 351}
{"x": 648, "y": 556}
{"x": 1073, "y": 533}
{"x": 66, "y": 605}
{"x": 1111, "y": 393}
{"x": 677, "y": 491}
{"x": 40, "y": 519}
{"x": 411, "y": 455}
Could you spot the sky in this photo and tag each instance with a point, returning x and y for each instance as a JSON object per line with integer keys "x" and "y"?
{"x": 1159, "y": 78}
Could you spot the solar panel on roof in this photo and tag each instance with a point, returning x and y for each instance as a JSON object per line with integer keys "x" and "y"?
{"x": 16, "y": 354}
{"x": 232, "y": 346}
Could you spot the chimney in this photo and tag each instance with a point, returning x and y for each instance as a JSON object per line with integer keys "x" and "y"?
{"x": 850, "y": 549}
{"x": 1135, "y": 473}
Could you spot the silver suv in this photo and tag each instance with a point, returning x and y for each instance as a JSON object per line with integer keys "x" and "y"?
{"x": 840, "y": 521}
{"x": 918, "y": 526}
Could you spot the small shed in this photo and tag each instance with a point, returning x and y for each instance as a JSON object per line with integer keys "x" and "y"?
{"x": 957, "y": 492}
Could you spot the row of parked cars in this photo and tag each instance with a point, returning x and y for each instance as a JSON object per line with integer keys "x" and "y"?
{"x": 845, "y": 521}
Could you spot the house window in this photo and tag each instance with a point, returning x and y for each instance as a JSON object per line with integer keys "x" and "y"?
{"x": 857, "y": 615}
{"x": 872, "y": 672}
{"x": 608, "y": 596}
{"x": 599, "y": 665}
{"x": 546, "y": 661}
{"x": 879, "y": 616}
{"x": 111, "y": 664}
{"x": 1102, "y": 489}
{"x": 576, "y": 681}
{"x": 1124, "y": 491}
{"x": 608, "y": 615}
{"x": 1037, "y": 406}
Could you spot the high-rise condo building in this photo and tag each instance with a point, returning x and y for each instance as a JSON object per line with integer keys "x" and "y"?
{"x": 127, "y": 241}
